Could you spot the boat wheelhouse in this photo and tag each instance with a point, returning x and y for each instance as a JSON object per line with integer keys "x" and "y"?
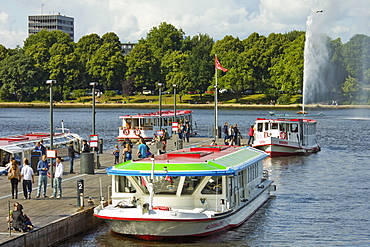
{"x": 280, "y": 137}
{"x": 146, "y": 125}
{"x": 195, "y": 191}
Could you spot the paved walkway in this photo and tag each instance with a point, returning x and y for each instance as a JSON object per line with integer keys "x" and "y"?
{"x": 43, "y": 211}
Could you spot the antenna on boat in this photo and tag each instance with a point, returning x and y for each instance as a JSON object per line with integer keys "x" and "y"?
{"x": 63, "y": 129}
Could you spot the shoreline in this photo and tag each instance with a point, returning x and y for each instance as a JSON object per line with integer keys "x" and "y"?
{"x": 179, "y": 106}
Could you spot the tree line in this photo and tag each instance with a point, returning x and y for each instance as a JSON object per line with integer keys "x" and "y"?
{"x": 258, "y": 64}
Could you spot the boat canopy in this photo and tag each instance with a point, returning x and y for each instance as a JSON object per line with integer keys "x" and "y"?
{"x": 229, "y": 163}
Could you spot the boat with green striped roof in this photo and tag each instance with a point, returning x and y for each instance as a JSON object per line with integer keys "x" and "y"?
{"x": 195, "y": 191}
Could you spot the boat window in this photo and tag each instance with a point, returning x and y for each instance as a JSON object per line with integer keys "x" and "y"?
{"x": 165, "y": 122}
{"x": 124, "y": 185}
{"x": 214, "y": 186}
{"x": 190, "y": 185}
{"x": 283, "y": 127}
{"x": 266, "y": 126}
{"x": 166, "y": 185}
{"x": 259, "y": 127}
{"x": 294, "y": 127}
{"x": 274, "y": 126}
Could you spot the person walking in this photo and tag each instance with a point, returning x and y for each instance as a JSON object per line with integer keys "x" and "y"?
{"x": 14, "y": 176}
{"x": 58, "y": 179}
{"x": 28, "y": 179}
{"x": 116, "y": 154}
{"x": 127, "y": 153}
{"x": 251, "y": 135}
{"x": 43, "y": 168}
{"x": 142, "y": 149}
{"x": 225, "y": 131}
{"x": 72, "y": 155}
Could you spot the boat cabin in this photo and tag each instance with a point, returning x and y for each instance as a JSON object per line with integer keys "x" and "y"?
{"x": 146, "y": 125}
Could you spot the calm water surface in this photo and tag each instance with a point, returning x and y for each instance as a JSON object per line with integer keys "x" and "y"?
{"x": 321, "y": 199}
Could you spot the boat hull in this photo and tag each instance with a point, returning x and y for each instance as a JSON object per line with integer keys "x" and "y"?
{"x": 172, "y": 224}
{"x": 277, "y": 147}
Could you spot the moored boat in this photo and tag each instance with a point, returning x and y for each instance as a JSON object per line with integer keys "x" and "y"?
{"x": 281, "y": 137}
{"x": 195, "y": 191}
{"x": 146, "y": 125}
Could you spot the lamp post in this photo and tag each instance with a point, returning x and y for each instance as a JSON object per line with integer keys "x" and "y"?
{"x": 50, "y": 83}
{"x": 93, "y": 84}
{"x": 174, "y": 101}
{"x": 160, "y": 105}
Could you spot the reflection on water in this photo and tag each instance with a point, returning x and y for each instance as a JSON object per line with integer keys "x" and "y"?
{"x": 321, "y": 199}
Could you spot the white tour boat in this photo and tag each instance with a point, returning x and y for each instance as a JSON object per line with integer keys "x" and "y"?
{"x": 195, "y": 191}
{"x": 146, "y": 125}
{"x": 279, "y": 137}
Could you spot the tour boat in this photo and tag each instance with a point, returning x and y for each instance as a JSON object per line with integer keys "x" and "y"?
{"x": 280, "y": 137}
{"x": 23, "y": 146}
{"x": 195, "y": 191}
{"x": 146, "y": 125}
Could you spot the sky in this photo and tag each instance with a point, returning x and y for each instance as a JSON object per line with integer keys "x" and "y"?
{"x": 133, "y": 19}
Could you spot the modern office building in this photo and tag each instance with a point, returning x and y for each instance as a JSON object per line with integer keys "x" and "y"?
{"x": 36, "y": 23}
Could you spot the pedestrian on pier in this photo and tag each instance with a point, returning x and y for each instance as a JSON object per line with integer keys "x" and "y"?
{"x": 186, "y": 131}
{"x": 116, "y": 154}
{"x": 85, "y": 147}
{"x": 58, "y": 178}
{"x": 251, "y": 135}
{"x": 72, "y": 155}
{"x": 43, "y": 168}
{"x": 127, "y": 153}
{"x": 14, "y": 176}
{"x": 225, "y": 131}
{"x": 28, "y": 179}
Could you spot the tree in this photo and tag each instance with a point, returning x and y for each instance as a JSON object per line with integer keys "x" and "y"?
{"x": 350, "y": 88}
{"x": 143, "y": 65}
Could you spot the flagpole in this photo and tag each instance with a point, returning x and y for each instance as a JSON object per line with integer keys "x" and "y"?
{"x": 215, "y": 94}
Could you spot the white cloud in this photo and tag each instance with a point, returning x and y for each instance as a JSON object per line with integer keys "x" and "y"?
{"x": 131, "y": 20}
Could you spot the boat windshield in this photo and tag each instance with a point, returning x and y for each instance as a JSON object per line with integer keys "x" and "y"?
{"x": 214, "y": 186}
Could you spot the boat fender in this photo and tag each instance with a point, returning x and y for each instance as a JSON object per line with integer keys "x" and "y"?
{"x": 282, "y": 135}
{"x": 126, "y": 132}
{"x": 137, "y": 132}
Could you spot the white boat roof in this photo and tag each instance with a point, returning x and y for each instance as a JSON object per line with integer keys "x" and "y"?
{"x": 286, "y": 120}
{"x": 156, "y": 114}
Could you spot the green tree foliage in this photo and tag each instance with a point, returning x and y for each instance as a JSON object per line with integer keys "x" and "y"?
{"x": 350, "y": 88}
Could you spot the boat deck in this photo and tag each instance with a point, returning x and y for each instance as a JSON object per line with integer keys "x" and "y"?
{"x": 44, "y": 211}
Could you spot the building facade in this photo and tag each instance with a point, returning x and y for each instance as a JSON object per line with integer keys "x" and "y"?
{"x": 63, "y": 23}
{"x": 127, "y": 47}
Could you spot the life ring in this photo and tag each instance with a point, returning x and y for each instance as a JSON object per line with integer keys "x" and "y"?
{"x": 126, "y": 132}
{"x": 282, "y": 135}
{"x": 137, "y": 132}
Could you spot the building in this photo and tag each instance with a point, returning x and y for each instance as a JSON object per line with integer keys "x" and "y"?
{"x": 36, "y": 23}
{"x": 127, "y": 47}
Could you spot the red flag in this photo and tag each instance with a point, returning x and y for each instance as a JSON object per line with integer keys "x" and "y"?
{"x": 218, "y": 65}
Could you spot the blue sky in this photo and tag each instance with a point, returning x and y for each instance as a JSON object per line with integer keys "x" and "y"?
{"x": 132, "y": 19}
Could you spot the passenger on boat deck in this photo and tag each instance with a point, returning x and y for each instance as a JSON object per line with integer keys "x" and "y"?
{"x": 142, "y": 149}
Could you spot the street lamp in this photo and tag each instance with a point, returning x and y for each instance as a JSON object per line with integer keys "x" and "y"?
{"x": 93, "y": 84}
{"x": 160, "y": 105}
{"x": 174, "y": 101}
{"x": 50, "y": 83}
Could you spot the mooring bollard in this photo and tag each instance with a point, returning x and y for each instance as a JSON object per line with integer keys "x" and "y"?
{"x": 80, "y": 193}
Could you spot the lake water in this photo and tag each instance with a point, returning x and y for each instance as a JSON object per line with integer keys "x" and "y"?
{"x": 321, "y": 199}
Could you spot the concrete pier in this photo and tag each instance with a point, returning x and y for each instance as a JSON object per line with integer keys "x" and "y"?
{"x": 56, "y": 220}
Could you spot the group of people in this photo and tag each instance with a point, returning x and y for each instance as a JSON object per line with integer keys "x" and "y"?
{"x": 17, "y": 220}
{"x": 232, "y": 134}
